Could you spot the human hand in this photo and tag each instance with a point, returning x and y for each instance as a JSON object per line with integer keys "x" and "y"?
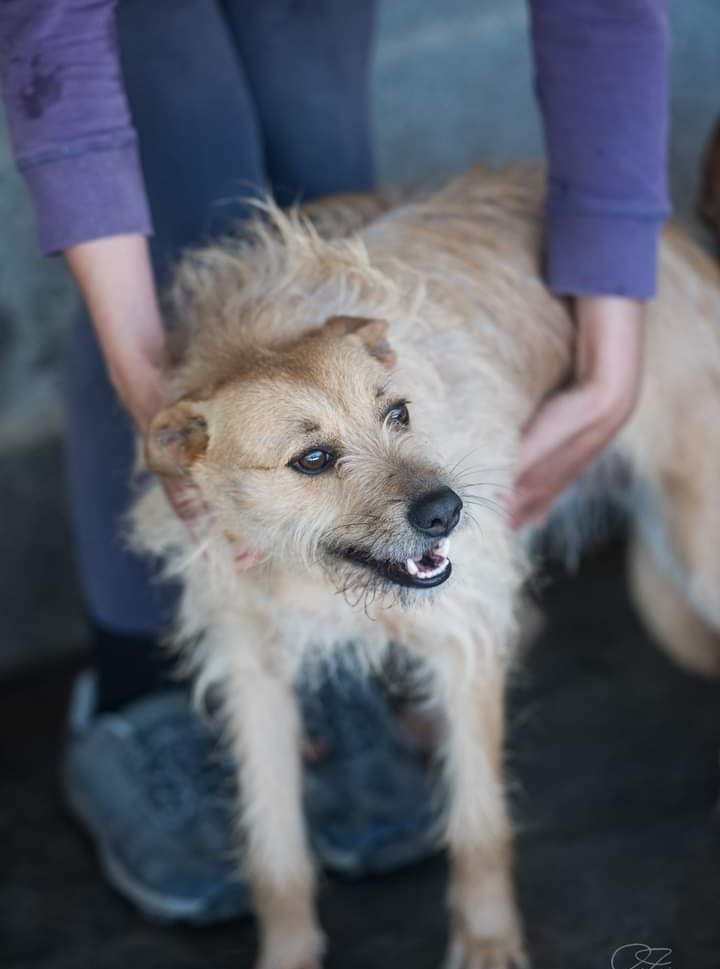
{"x": 143, "y": 391}
{"x": 117, "y": 284}
{"x": 573, "y": 426}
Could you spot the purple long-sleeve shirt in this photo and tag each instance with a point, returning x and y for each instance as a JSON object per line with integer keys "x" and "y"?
{"x": 601, "y": 74}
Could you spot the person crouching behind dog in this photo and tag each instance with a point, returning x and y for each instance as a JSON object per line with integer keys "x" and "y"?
{"x": 229, "y": 98}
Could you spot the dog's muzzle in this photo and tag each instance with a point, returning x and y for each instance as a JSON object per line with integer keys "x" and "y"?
{"x": 434, "y": 515}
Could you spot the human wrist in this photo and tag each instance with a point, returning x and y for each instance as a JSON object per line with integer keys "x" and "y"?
{"x": 140, "y": 386}
{"x": 609, "y": 352}
{"x": 115, "y": 278}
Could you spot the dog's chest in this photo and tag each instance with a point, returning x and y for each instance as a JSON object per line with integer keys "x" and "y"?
{"x": 310, "y": 615}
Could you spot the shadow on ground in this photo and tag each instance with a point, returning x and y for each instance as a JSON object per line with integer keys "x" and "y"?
{"x": 614, "y": 755}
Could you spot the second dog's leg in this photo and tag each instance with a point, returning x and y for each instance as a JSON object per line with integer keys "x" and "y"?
{"x": 673, "y": 622}
{"x": 485, "y": 930}
{"x": 264, "y": 725}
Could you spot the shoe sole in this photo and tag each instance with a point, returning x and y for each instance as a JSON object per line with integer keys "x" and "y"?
{"x": 384, "y": 861}
{"x": 155, "y": 906}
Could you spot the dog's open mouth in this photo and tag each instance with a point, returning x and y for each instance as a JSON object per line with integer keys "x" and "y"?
{"x": 423, "y": 571}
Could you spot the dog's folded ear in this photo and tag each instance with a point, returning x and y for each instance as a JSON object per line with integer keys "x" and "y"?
{"x": 176, "y": 438}
{"x": 372, "y": 333}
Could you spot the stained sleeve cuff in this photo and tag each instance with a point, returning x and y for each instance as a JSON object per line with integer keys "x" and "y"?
{"x": 78, "y": 197}
{"x": 596, "y": 255}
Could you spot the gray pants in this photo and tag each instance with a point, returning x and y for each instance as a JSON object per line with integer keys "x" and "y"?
{"x": 228, "y": 98}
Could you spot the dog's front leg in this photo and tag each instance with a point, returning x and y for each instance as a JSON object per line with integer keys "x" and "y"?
{"x": 485, "y": 927}
{"x": 264, "y": 725}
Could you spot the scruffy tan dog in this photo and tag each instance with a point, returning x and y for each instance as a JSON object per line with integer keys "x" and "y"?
{"x": 349, "y": 401}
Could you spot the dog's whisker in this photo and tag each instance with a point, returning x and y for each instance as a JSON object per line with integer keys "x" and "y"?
{"x": 473, "y": 521}
{"x": 358, "y": 520}
{"x": 483, "y": 469}
{"x": 468, "y": 455}
{"x": 483, "y": 485}
{"x": 487, "y": 503}
{"x": 501, "y": 485}
{"x": 481, "y": 499}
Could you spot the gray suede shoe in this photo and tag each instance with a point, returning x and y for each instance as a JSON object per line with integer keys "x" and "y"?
{"x": 150, "y": 787}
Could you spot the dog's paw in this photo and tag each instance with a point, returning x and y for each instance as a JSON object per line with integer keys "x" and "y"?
{"x": 303, "y": 963}
{"x": 293, "y": 952}
{"x": 466, "y": 952}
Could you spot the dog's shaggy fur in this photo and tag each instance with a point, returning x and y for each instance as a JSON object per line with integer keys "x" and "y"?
{"x": 321, "y": 332}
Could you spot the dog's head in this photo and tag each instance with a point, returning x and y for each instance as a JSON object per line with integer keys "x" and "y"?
{"x": 308, "y": 454}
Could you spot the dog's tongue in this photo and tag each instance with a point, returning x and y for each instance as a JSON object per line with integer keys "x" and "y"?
{"x": 430, "y": 563}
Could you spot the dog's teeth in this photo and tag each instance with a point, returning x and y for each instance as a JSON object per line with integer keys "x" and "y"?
{"x": 412, "y": 568}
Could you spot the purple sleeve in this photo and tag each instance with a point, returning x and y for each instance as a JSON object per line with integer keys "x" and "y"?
{"x": 69, "y": 121}
{"x": 602, "y": 84}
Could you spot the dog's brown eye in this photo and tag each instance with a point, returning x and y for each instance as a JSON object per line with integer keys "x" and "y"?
{"x": 314, "y": 462}
{"x": 398, "y": 414}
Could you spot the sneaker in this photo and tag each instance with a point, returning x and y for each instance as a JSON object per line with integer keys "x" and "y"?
{"x": 151, "y": 788}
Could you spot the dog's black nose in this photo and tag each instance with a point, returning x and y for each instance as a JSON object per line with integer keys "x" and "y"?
{"x": 436, "y": 513}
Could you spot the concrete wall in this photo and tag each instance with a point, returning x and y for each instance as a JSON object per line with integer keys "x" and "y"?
{"x": 451, "y": 85}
